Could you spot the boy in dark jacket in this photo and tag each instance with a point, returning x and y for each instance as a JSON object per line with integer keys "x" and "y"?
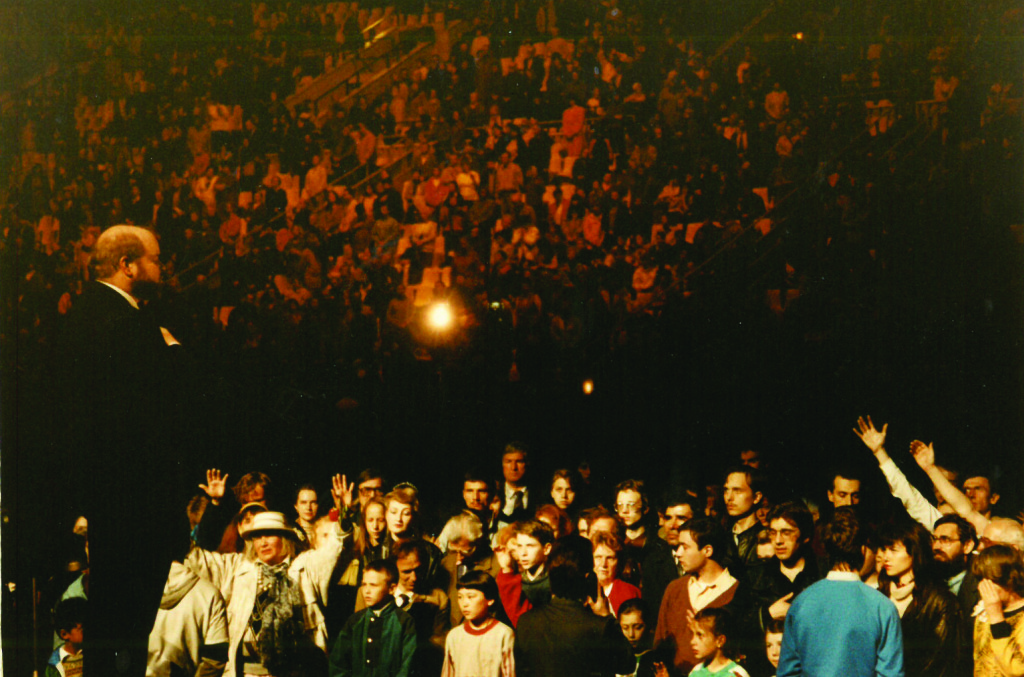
{"x": 380, "y": 640}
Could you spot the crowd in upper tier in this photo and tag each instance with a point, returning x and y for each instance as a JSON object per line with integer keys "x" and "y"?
{"x": 582, "y": 165}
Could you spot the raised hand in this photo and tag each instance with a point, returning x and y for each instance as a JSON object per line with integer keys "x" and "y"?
{"x": 780, "y": 608}
{"x": 215, "y": 486}
{"x": 923, "y": 453}
{"x": 344, "y": 489}
{"x": 660, "y": 670}
{"x": 341, "y": 491}
{"x": 872, "y": 438}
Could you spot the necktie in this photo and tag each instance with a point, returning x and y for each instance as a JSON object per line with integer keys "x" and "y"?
{"x": 517, "y": 501}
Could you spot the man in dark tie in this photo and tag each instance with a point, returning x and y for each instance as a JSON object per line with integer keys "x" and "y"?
{"x": 517, "y": 502}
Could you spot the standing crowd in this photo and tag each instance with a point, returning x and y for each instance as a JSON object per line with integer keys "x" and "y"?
{"x": 744, "y": 577}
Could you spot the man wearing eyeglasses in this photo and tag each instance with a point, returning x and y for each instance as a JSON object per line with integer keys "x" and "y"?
{"x": 953, "y": 542}
{"x": 779, "y": 579}
{"x": 640, "y": 537}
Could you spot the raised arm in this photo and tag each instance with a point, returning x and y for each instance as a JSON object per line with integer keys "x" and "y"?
{"x": 914, "y": 502}
{"x": 924, "y": 454}
{"x": 216, "y": 518}
{"x": 216, "y": 485}
{"x": 342, "y": 492}
{"x": 321, "y": 561}
{"x": 218, "y": 568}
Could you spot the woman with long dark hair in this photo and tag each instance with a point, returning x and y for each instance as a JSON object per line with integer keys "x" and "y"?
{"x": 929, "y": 612}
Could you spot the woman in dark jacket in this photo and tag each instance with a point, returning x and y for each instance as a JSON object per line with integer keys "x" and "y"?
{"x": 933, "y": 629}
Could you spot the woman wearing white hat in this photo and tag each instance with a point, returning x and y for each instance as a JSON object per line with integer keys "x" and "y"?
{"x": 275, "y": 598}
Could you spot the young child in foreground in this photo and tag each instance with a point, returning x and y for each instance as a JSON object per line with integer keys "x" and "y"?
{"x": 711, "y": 631}
{"x": 380, "y": 640}
{"x": 481, "y": 646}
{"x": 69, "y": 618}
{"x": 773, "y": 642}
{"x": 632, "y": 621}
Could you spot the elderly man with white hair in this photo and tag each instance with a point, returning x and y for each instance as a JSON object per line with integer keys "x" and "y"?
{"x": 275, "y": 597}
{"x": 468, "y": 550}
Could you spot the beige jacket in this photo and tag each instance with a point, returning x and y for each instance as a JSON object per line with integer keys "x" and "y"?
{"x": 236, "y": 578}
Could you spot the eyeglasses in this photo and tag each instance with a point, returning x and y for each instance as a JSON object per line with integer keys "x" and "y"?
{"x": 463, "y": 550}
{"x": 945, "y": 540}
{"x": 370, "y": 491}
{"x": 633, "y": 506}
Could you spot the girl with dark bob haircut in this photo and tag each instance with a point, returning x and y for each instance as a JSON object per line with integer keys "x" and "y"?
{"x": 929, "y": 613}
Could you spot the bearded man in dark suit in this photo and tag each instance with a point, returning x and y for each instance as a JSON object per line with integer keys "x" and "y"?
{"x": 119, "y": 389}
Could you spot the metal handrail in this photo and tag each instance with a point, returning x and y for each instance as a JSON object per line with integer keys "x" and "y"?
{"x": 366, "y": 64}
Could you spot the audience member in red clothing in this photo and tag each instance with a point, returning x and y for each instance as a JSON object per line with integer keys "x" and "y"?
{"x": 606, "y": 549}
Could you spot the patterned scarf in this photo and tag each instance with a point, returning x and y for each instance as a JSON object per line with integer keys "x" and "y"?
{"x": 276, "y": 619}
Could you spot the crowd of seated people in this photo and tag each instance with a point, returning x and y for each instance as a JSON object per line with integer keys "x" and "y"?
{"x": 643, "y": 571}
{"x": 580, "y": 165}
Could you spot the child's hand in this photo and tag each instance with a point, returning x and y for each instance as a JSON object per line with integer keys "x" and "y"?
{"x": 660, "y": 670}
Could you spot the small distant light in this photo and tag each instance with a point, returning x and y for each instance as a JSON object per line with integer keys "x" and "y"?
{"x": 440, "y": 316}
{"x": 495, "y": 305}
{"x": 798, "y": 36}
{"x": 588, "y": 387}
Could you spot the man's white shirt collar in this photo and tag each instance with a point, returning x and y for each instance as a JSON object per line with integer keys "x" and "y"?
{"x": 127, "y": 297}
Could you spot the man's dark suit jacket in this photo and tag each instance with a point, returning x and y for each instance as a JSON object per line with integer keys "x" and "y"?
{"x": 565, "y": 639}
{"x": 536, "y": 496}
{"x": 120, "y": 466}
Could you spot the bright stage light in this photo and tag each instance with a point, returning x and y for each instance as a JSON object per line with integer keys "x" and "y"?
{"x": 440, "y": 316}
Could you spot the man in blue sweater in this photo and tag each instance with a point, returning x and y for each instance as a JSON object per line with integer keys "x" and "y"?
{"x": 839, "y": 626}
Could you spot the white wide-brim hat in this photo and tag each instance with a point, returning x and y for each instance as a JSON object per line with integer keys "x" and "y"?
{"x": 269, "y": 523}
